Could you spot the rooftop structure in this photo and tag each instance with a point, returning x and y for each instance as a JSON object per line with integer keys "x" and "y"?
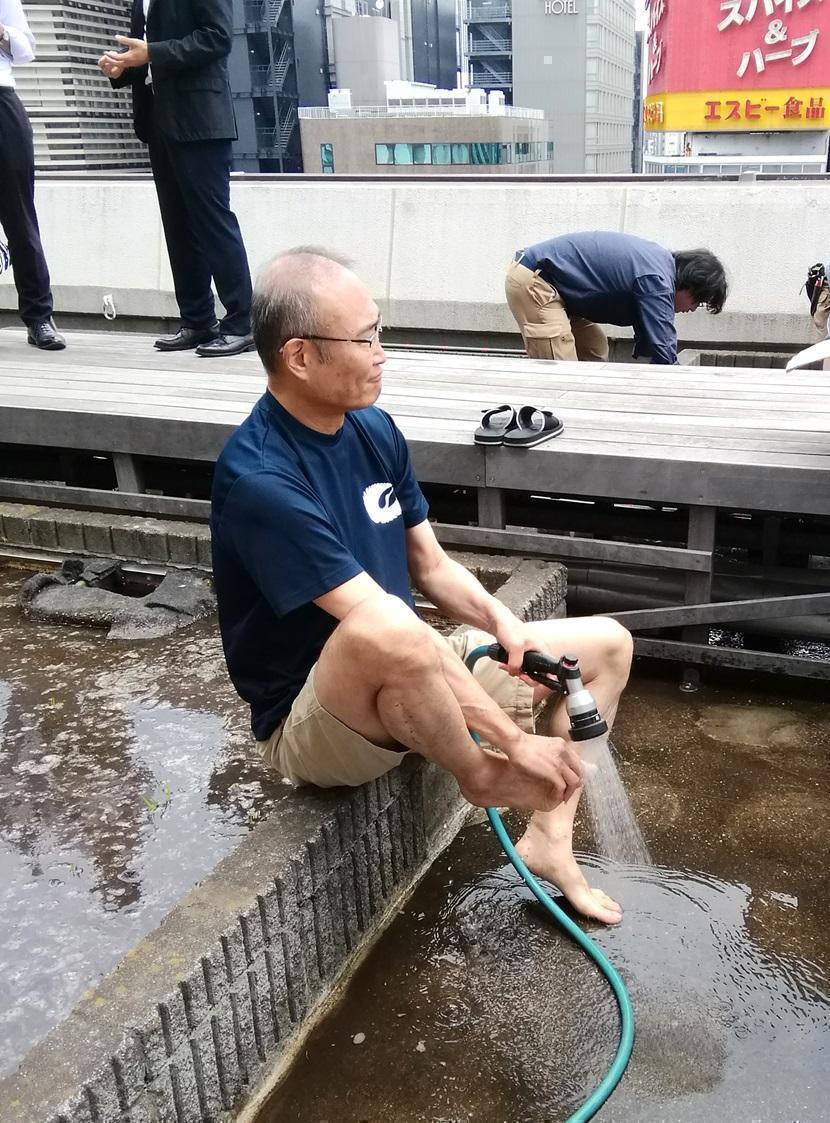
{"x": 436, "y": 131}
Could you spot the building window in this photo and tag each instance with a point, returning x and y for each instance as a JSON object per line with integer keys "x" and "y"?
{"x": 402, "y": 154}
{"x": 384, "y": 154}
{"x": 422, "y": 153}
{"x": 486, "y": 153}
{"x": 327, "y": 158}
{"x": 460, "y": 153}
{"x": 441, "y": 154}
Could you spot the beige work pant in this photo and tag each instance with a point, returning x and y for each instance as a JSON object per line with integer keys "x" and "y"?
{"x": 822, "y": 312}
{"x": 547, "y": 329}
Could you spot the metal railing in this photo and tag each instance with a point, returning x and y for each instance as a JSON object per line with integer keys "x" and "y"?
{"x": 282, "y": 64}
{"x": 317, "y": 112}
{"x": 477, "y": 13}
{"x": 274, "y": 140}
{"x": 488, "y": 76}
{"x": 287, "y": 126}
{"x": 271, "y": 78}
{"x": 490, "y": 47}
{"x": 263, "y": 11}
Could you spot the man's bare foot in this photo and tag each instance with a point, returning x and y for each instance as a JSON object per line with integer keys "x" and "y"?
{"x": 552, "y": 859}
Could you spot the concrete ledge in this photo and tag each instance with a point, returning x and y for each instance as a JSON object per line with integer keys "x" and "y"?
{"x": 192, "y": 1017}
{"x": 129, "y": 537}
{"x": 196, "y": 1017}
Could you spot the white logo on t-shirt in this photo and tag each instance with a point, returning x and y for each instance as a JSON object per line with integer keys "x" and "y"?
{"x": 381, "y": 503}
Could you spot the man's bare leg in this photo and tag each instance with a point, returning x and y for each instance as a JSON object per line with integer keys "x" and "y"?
{"x": 384, "y": 675}
{"x": 604, "y": 650}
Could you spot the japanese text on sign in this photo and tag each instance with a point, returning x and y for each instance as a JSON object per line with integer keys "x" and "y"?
{"x": 792, "y": 108}
{"x": 656, "y": 11}
{"x": 796, "y": 51}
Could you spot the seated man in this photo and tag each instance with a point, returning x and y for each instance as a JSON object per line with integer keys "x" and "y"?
{"x": 561, "y": 290}
{"x": 318, "y": 524}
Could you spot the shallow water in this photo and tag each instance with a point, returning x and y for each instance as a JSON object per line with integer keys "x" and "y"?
{"x": 126, "y": 774}
{"x": 474, "y": 1006}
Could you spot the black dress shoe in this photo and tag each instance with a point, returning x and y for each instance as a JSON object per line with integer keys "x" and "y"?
{"x": 46, "y": 336}
{"x": 186, "y": 339}
{"x": 226, "y": 345}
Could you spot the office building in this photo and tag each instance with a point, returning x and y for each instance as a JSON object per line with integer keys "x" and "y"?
{"x": 290, "y": 54}
{"x": 573, "y": 59}
{"x": 431, "y": 132}
{"x": 79, "y": 122}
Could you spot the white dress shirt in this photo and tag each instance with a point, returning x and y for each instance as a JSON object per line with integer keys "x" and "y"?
{"x": 149, "y": 79}
{"x": 21, "y": 45}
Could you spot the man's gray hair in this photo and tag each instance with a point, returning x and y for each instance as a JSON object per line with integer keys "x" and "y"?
{"x": 285, "y": 299}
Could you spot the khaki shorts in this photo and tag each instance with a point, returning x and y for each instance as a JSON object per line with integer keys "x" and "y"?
{"x": 547, "y": 329}
{"x": 313, "y": 747}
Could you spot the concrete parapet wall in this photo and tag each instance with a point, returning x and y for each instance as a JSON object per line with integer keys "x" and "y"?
{"x": 434, "y": 254}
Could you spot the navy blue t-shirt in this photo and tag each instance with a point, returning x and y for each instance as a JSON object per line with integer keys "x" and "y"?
{"x": 295, "y": 514}
{"x": 613, "y": 278}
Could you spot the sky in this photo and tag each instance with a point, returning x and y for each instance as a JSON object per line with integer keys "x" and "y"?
{"x": 641, "y": 13}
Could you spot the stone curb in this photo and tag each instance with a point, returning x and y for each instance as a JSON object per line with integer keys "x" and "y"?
{"x": 196, "y": 1014}
{"x": 195, "y": 1018}
{"x": 105, "y": 534}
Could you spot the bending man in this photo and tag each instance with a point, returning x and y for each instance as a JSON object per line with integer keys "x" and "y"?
{"x": 561, "y": 290}
{"x": 318, "y": 525}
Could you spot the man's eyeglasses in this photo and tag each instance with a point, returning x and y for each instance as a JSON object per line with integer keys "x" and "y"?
{"x": 370, "y": 342}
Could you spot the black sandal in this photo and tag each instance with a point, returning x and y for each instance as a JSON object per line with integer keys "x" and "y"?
{"x": 532, "y": 427}
{"x": 494, "y": 424}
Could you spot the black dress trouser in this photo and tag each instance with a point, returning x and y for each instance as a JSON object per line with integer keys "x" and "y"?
{"x": 17, "y": 210}
{"x": 202, "y": 233}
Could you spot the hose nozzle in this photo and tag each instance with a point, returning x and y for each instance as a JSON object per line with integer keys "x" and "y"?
{"x": 562, "y": 674}
{"x": 586, "y": 720}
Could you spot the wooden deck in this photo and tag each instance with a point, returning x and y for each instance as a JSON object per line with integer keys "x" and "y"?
{"x": 699, "y": 437}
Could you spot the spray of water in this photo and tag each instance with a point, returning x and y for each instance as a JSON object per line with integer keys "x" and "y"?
{"x": 616, "y": 833}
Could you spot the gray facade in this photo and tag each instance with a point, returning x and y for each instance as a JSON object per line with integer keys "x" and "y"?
{"x": 549, "y": 72}
{"x": 266, "y": 80}
{"x": 434, "y": 45}
{"x": 79, "y": 122}
{"x": 574, "y": 59}
{"x": 637, "y": 130}
{"x": 367, "y": 55}
{"x": 349, "y": 143}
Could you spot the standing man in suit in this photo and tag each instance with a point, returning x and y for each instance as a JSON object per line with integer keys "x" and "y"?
{"x": 17, "y": 186}
{"x": 175, "y": 61}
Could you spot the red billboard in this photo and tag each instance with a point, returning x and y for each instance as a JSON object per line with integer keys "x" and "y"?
{"x": 735, "y": 50}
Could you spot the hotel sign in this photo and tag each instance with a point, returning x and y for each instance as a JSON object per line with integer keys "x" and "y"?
{"x": 561, "y": 8}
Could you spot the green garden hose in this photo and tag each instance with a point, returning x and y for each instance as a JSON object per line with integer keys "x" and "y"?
{"x": 612, "y": 1078}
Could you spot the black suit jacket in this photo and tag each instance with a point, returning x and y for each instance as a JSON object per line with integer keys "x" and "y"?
{"x": 189, "y": 41}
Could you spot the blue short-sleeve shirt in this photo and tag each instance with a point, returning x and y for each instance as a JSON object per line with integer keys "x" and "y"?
{"x": 295, "y": 513}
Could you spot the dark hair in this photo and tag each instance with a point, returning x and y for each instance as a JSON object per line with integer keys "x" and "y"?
{"x": 701, "y": 274}
{"x": 285, "y": 300}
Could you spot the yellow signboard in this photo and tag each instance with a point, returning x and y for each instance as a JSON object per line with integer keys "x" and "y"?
{"x": 710, "y": 111}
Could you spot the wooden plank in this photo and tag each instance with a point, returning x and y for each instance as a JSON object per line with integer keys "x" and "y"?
{"x": 94, "y": 499}
{"x": 740, "y": 659}
{"x": 701, "y": 536}
{"x": 764, "y": 608}
{"x": 561, "y": 546}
